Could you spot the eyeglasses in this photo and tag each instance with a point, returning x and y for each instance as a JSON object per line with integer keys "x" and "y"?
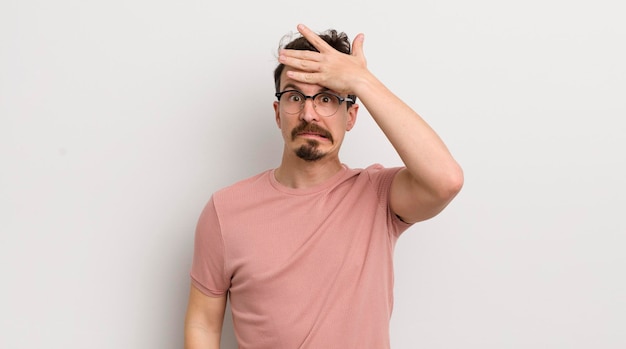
{"x": 325, "y": 103}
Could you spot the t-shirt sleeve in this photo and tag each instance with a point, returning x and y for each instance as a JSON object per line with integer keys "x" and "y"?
{"x": 207, "y": 269}
{"x": 381, "y": 179}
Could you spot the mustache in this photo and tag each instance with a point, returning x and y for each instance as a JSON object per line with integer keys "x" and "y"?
{"x": 305, "y": 127}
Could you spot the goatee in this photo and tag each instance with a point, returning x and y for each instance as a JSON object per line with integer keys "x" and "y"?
{"x": 309, "y": 151}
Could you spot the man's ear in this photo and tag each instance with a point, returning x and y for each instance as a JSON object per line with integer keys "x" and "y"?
{"x": 277, "y": 114}
{"x": 352, "y": 111}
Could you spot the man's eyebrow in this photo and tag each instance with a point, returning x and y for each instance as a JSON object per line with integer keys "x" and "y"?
{"x": 290, "y": 86}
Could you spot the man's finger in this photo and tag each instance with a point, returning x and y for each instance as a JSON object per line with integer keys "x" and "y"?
{"x": 313, "y": 38}
{"x": 357, "y": 45}
{"x": 300, "y": 54}
{"x": 303, "y": 76}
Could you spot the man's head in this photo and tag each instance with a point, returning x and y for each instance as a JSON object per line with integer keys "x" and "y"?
{"x": 313, "y": 129}
{"x": 339, "y": 41}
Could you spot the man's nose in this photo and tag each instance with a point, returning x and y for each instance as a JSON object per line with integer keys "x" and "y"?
{"x": 308, "y": 112}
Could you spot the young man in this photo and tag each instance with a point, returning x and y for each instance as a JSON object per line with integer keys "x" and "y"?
{"x": 305, "y": 251}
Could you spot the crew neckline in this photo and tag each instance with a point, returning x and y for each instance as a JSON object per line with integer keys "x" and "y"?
{"x": 311, "y": 190}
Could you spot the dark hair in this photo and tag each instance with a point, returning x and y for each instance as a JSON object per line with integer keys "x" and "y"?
{"x": 339, "y": 41}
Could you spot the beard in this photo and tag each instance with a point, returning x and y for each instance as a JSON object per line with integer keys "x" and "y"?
{"x": 310, "y": 151}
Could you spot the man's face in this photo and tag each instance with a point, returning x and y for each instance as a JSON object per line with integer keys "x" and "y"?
{"x": 307, "y": 134}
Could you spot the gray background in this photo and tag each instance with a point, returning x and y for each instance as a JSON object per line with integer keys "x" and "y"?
{"x": 118, "y": 119}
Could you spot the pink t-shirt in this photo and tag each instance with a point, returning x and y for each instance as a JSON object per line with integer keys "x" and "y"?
{"x": 304, "y": 268}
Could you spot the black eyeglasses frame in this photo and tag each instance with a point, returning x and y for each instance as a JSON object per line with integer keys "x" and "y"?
{"x": 341, "y": 99}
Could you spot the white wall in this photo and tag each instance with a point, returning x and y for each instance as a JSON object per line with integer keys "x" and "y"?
{"x": 118, "y": 119}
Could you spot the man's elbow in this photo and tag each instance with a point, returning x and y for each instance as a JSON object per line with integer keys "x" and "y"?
{"x": 450, "y": 184}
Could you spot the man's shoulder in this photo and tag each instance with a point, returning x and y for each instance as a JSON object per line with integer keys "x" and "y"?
{"x": 247, "y": 185}
{"x": 375, "y": 170}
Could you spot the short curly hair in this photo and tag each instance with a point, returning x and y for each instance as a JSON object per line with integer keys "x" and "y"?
{"x": 338, "y": 40}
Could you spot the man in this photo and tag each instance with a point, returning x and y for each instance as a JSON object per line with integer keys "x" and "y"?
{"x": 304, "y": 251}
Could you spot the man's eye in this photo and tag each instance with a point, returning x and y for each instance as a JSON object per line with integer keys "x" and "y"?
{"x": 294, "y": 97}
{"x": 325, "y": 99}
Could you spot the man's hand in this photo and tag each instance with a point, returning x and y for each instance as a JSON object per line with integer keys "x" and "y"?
{"x": 329, "y": 68}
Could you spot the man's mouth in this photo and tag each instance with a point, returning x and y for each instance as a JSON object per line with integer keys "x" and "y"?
{"x": 315, "y": 134}
{"x": 311, "y": 130}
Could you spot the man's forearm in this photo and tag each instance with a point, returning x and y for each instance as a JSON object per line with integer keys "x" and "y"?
{"x": 201, "y": 338}
{"x": 424, "y": 154}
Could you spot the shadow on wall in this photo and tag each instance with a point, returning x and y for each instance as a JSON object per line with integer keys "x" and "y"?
{"x": 229, "y": 341}
{"x": 249, "y": 141}
{"x": 256, "y": 145}
{"x": 246, "y": 143}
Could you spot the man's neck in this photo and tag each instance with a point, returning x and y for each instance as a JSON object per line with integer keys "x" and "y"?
{"x": 300, "y": 174}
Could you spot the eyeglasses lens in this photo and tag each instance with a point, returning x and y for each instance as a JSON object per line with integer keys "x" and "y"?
{"x": 325, "y": 104}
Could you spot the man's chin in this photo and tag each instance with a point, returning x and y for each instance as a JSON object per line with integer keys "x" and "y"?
{"x": 309, "y": 152}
